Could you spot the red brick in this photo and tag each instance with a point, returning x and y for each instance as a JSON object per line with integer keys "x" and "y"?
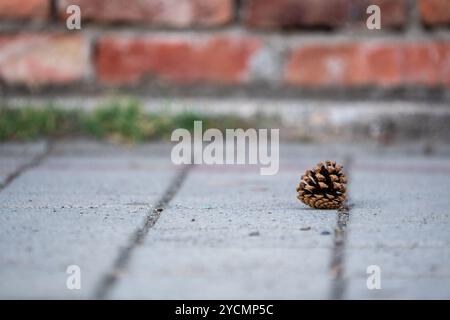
{"x": 25, "y": 9}
{"x": 382, "y": 64}
{"x": 435, "y": 12}
{"x": 216, "y": 59}
{"x": 393, "y": 12}
{"x": 443, "y": 53}
{"x": 35, "y": 59}
{"x": 321, "y": 13}
{"x": 370, "y": 63}
{"x": 171, "y": 13}
{"x": 421, "y": 63}
{"x": 324, "y": 65}
{"x": 295, "y": 13}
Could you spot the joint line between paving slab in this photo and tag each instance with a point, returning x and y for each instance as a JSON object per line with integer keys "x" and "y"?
{"x": 338, "y": 285}
{"x": 123, "y": 259}
{"x": 34, "y": 162}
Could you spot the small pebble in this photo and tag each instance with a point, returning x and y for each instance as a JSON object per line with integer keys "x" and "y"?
{"x": 254, "y": 233}
{"x": 192, "y": 220}
{"x": 305, "y": 228}
{"x": 325, "y": 233}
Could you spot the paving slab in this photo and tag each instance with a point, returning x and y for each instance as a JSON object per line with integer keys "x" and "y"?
{"x": 75, "y": 208}
{"x": 400, "y": 221}
{"x": 231, "y": 233}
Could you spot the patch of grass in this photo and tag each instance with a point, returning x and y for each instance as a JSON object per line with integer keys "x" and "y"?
{"x": 29, "y": 123}
{"x": 120, "y": 120}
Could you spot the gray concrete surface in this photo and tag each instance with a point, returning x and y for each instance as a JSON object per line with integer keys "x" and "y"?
{"x": 13, "y": 156}
{"x": 228, "y": 232}
{"x": 78, "y": 207}
{"x": 233, "y": 234}
{"x": 401, "y": 222}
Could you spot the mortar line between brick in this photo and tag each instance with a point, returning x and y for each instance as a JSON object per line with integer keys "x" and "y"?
{"x": 53, "y": 14}
{"x": 34, "y": 162}
{"x": 337, "y": 266}
{"x": 122, "y": 260}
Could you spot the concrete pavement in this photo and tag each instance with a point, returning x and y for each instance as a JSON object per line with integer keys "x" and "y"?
{"x": 226, "y": 232}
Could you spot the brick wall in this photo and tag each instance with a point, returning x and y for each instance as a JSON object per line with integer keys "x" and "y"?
{"x": 220, "y": 43}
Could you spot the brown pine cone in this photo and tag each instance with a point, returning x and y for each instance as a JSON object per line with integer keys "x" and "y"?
{"x": 323, "y": 187}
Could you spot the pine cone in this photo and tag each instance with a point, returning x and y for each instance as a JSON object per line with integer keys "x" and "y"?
{"x": 323, "y": 187}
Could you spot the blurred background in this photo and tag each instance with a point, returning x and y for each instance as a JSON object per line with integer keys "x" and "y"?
{"x": 137, "y": 69}
{"x": 376, "y": 101}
